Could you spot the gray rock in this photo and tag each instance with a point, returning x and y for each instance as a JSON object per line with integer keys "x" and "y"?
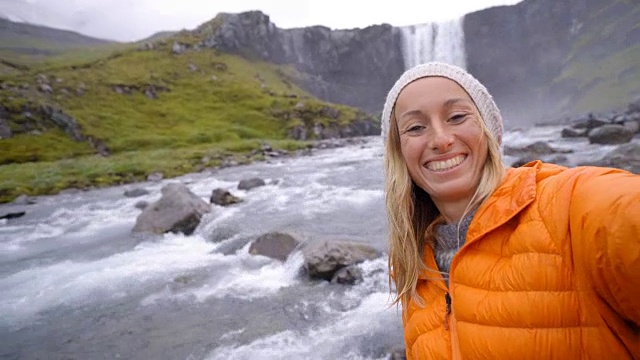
{"x": 232, "y": 247}
{"x": 298, "y": 132}
{"x": 192, "y": 67}
{"x": 5, "y": 130}
{"x": 248, "y": 184}
{"x": 610, "y": 134}
{"x": 632, "y": 125}
{"x": 45, "y": 88}
{"x": 178, "y": 210}
{"x": 155, "y": 176}
{"x": 523, "y": 161}
{"x": 24, "y": 200}
{"x": 42, "y": 79}
{"x": 324, "y": 259}
{"x": 274, "y": 245}
{"x": 150, "y": 92}
{"x": 177, "y": 48}
{"x": 141, "y": 205}
{"x": 534, "y": 150}
{"x": 559, "y": 160}
{"x": 13, "y": 215}
{"x": 65, "y": 121}
{"x": 223, "y": 197}
{"x": 99, "y": 146}
{"x": 135, "y": 192}
{"x": 626, "y": 157}
{"x": 349, "y": 275}
{"x": 573, "y": 133}
{"x": 591, "y": 123}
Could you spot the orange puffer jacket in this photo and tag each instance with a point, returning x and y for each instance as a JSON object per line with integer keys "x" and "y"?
{"x": 550, "y": 270}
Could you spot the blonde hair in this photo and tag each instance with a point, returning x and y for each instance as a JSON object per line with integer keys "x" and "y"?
{"x": 412, "y": 215}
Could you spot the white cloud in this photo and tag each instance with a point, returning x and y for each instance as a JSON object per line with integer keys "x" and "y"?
{"x": 128, "y": 20}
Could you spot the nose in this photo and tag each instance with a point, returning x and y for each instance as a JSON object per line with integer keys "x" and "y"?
{"x": 442, "y": 138}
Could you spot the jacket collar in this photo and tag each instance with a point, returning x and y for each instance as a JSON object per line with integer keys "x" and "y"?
{"x": 516, "y": 190}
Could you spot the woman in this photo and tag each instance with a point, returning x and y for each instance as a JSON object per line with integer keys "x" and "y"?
{"x": 536, "y": 262}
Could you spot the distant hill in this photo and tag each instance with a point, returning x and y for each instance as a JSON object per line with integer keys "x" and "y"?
{"x": 161, "y": 35}
{"x": 25, "y": 43}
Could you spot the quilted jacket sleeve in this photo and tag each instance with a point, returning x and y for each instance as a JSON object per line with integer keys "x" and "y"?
{"x": 604, "y": 216}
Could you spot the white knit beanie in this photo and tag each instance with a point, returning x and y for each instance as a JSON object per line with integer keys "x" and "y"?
{"x": 478, "y": 93}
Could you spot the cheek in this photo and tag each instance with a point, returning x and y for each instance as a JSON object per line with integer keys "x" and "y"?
{"x": 408, "y": 150}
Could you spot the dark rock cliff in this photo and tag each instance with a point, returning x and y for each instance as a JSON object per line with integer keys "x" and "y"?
{"x": 544, "y": 58}
{"x": 541, "y": 59}
{"x": 353, "y": 67}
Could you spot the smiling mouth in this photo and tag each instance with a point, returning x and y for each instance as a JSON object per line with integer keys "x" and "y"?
{"x": 445, "y": 165}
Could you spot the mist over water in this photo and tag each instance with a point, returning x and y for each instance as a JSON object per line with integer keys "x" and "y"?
{"x": 442, "y": 41}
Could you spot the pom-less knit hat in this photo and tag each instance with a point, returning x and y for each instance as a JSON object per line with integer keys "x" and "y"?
{"x": 478, "y": 93}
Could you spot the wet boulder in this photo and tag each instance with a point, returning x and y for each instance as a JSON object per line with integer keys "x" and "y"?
{"x": 558, "y": 159}
{"x": 573, "y": 133}
{"x": 12, "y": 215}
{"x": 610, "y": 134}
{"x": 591, "y": 123}
{"x": 136, "y": 192}
{"x": 275, "y": 245}
{"x": 178, "y": 210}
{"x": 223, "y": 197}
{"x": 626, "y": 157}
{"x": 141, "y": 205}
{"x": 323, "y": 260}
{"x": 24, "y": 200}
{"x": 349, "y": 275}
{"x": 248, "y": 184}
{"x": 632, "y": 125}
{"x": 534, "y": 151}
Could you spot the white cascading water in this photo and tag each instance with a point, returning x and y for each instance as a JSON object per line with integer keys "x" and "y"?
{"x": 443, "y": 41}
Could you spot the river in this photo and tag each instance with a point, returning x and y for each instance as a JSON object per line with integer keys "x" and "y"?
{"x": 76, "y": 284}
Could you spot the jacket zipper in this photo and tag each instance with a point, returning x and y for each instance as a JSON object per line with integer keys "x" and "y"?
{"x": 450, "y": 325}
{"x": 447, "y": 299}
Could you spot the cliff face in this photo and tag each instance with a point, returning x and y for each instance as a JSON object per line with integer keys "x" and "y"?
{"x": 544, "y": 59}
{"x": 541, "y": 59}
{"x": 355, "y": 67}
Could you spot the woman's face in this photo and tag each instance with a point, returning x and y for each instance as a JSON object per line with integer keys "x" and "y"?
{"x": 441, "y": 140}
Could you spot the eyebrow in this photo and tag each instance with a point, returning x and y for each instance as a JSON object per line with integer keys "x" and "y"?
{"x": 456, "y": 100}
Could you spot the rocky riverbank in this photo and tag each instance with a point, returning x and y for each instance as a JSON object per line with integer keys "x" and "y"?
{"x": 620, "y": 129}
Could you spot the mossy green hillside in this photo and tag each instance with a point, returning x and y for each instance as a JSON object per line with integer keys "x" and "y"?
{"x": 598, "y": 76}
{"x": 50, "y": 177}
{"x": 148, "y": 102}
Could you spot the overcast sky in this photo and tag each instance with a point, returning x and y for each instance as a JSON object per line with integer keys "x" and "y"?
{"x": 129, "y": 20}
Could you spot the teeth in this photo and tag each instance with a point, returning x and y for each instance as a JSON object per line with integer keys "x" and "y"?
{"x": 445, "y": 165}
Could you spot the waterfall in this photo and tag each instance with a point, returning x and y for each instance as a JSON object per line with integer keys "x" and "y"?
{"x": 443, "y": 41}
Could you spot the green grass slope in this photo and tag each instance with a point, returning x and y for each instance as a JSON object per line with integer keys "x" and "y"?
{"x": 602, "y": 70}
{"x": 151, "y": 110}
